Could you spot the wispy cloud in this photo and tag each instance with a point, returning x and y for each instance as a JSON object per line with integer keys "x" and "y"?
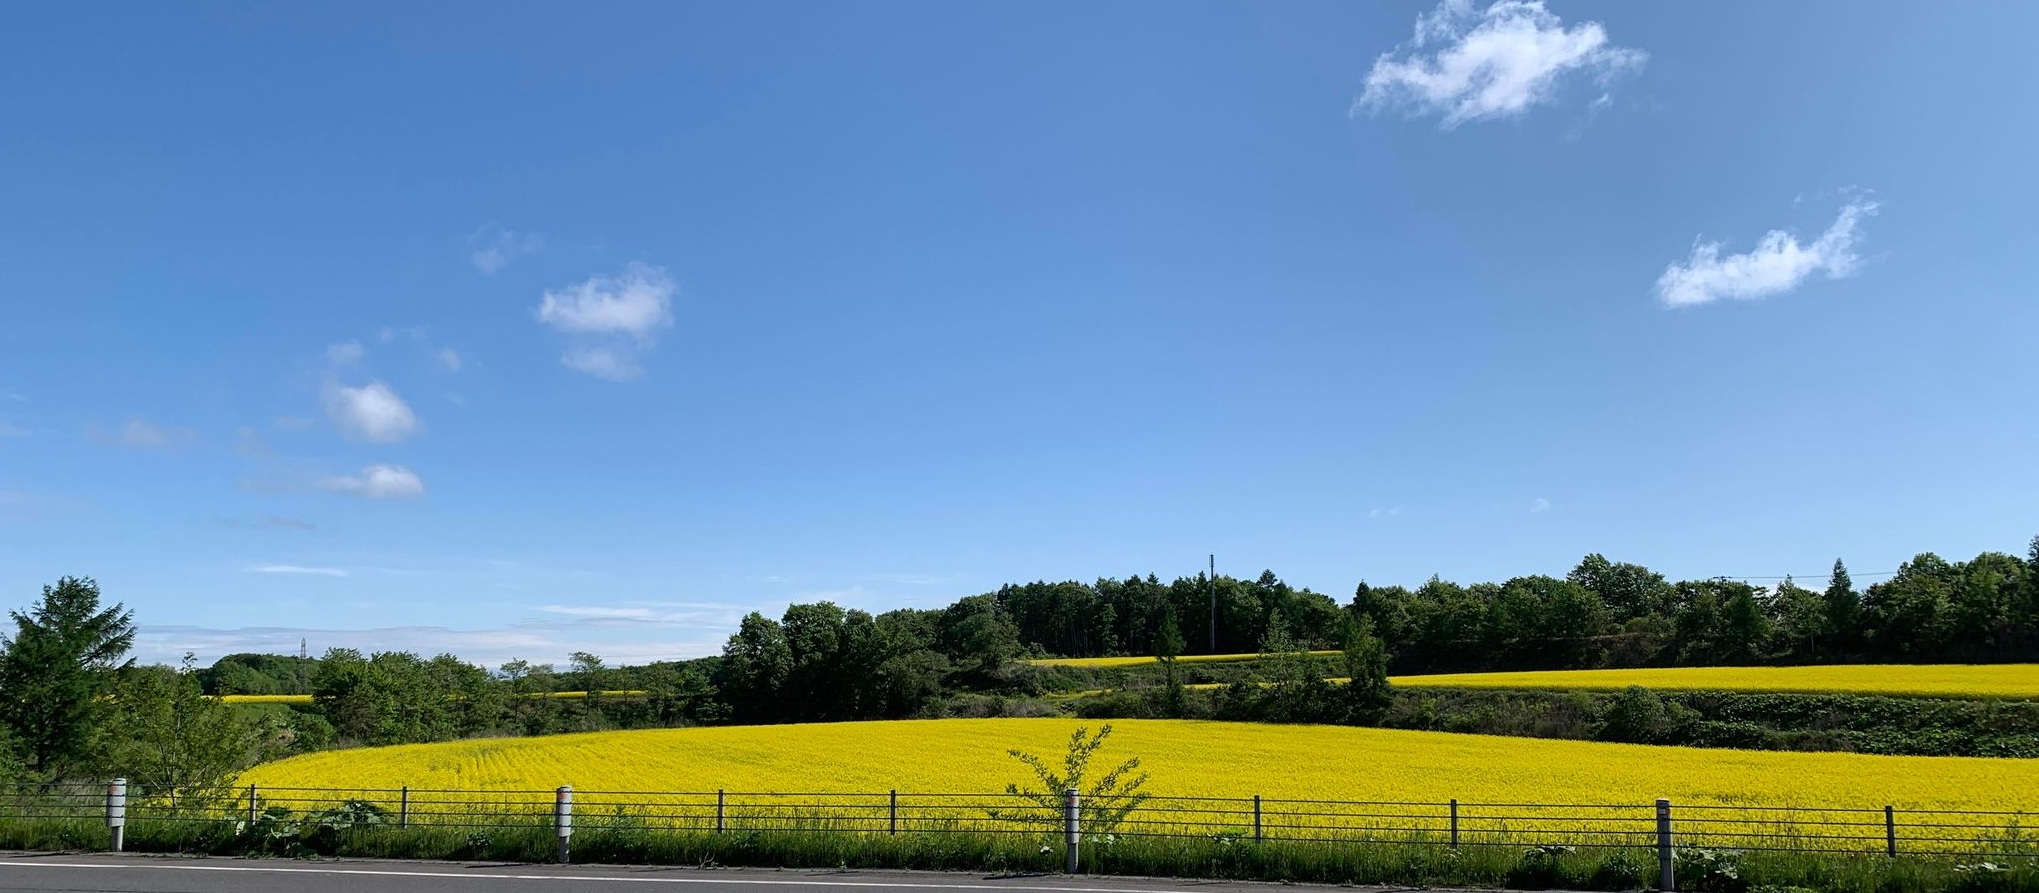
{"x": 1778, "y": 263}
{"x": 12, "y": 396}
{"x": 277, "y": 522}
{"x": 372, "y": 412}
{"x": 14, "y": 504}
{"x": 602, "y": 362}
{"x": 599, "y": 612}
{"x": 611, "y": 319}
{"x": 1464, "y": 65}
{"x": 9, "y": 429}
{"x": 1539, "y": 505}
{"x": 141, "y": 434}
{"x": 491, "y": 248}
{"x": 541, "y": 641}
{"x": 297, "y": 569}
{"x": 451, "y": 359}
{"x": 346, "y": 352}
{"x": 1385, "y": 512}
{"x": 249, "y": 443}
{"x": 378, "y": 482}
{"x": 912, "y": 579}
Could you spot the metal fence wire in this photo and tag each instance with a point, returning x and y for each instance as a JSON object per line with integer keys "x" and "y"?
{"x": 1660, "y": 826}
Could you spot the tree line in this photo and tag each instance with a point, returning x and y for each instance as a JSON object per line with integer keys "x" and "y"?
{"x": 73, "y": 702}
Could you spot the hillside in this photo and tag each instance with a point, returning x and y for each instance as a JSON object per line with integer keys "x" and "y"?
{"x": 1186, "y": 758}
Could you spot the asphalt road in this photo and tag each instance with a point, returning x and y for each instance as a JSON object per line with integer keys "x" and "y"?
{"x": 161, "y": 874}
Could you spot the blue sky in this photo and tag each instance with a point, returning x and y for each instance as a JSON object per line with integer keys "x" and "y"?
{"x": 515, "y": 329}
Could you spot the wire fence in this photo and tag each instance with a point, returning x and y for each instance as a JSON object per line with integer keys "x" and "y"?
{"x": 1662, "y": 826}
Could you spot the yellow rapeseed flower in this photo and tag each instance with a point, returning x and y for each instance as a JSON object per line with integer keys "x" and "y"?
{"x": 1187, "y": 758}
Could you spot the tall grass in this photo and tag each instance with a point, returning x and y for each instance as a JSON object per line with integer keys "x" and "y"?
{"x": 1229, "y": 856}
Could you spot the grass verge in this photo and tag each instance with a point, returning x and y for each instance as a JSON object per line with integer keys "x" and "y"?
{"x": 1222, "y": 856}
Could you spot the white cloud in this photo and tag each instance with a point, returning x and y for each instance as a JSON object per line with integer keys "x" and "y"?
{"x": 611, "y": 318}
{"x": 1494, "y": 64}
{"x": 346, "y": 352}
{"x": 378, "y": 482}
{"x": 493, "y": 247}
{"x": 1385, "y": 513}
{"x": 1539, "y": 505}
{"x": 635, "y": 303}
{"x": 298, "y": 570}
{"x": 372, "y": 412}
{"x": 1778, "y": 263}
{"x": 141, "y": 434}
{"x": 451, "y": 359}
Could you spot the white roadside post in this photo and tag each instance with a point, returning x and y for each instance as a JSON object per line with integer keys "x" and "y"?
{"x": 1071, "y": 817}
{"x": 562, "y": 818}
{"x": 116, "y": 813}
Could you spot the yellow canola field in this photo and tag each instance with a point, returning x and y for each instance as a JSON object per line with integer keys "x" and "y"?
{"x": 1108, "y": 662}
{"x": 1934, "y": 680}
{"x": 1186, "y": 758}
{"x": 1939, "y": 680}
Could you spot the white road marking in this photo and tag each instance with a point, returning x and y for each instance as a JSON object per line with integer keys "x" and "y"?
{"x": 589, "y": 878}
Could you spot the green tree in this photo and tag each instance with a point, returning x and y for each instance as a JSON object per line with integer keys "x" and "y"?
{"x": 55, "y": 670}
{"x": 1294, "y": 689}
{"x": 978, "y": 637}
{"x": 1103, "y": 801}
{"x": 755, "y": 664}
{"x": 1629, "y": 590}
{"x": 1909, "y": 615}
{"x": 1844, "y": 611}
{"x": 1366, "y": 670}
{"x": 1801, "y": 617}
{"x": 391, "y": 697}
{"x": 1168, "y": 646}
{"x": 172, "y": 741}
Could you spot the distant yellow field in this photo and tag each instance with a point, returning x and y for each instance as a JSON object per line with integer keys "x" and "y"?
{"x": 1941, "y": 680}
{"x": 1936, "y": 680}
{"x": 1105, "y": 662}
{"x": 1187, "y": 758}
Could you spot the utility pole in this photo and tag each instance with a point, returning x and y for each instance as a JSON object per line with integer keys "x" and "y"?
{"x": 1211, "y": 583}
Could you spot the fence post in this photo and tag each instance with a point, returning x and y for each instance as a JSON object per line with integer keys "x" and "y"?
{"x": 1256, "y": 818}
{"x": 254, "y": 796}
{"x": 403, "y": 809}
{"x": 1890, "y": 830}
{"x": 562, "y": 818}
{"x": 1454, "y": 823}
{"x": 116, "y": 813}
{"x": 719, "y": 801}
{"x": 1071, "y": 833}
{"x": 895, "y": 812}
{"x": 1667, "y": 876}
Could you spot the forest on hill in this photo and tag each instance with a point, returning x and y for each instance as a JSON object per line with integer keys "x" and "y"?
{"x": 67, "y": 673}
